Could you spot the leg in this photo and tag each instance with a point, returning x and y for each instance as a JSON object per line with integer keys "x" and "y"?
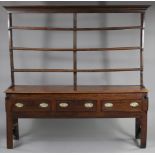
{"x": 9, "y": 126}
{"x": 143, "y": 135}
{"x": 137, "y": 128}
{"x": 15, "y": 128}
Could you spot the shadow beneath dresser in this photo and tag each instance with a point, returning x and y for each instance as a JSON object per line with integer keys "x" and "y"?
{"x": 58, "y": 131}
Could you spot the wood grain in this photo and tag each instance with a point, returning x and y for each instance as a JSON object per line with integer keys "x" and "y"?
{"x": 76, "y": 95}
{"x": 77, "y": 9}
{"x": 80, "y": 89}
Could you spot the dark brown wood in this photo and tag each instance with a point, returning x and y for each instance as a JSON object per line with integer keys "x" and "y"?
{"x": 121, "y": 105}
{"x": 40, "y": 28}
{"x": 78, "y": 115}
{"x": 33, "y": 104}
{"x": 75, "y": 50}
{"x": 78, "y": 49}
{"x": 143, "y": 133}
{"x": 15, "y": 128}
{"x": 45, "y": 89}
{"x": 141, "y": 49}
{"x": 10, "y": 49}
{"x": 76, "y": 101}
{"x": 43, "y": 70}
{"x": 108, "y": 49}
{"x": 41, "y": 49}
{"x": 137, "y": 128}
{"x": 9, "y": 124}
{"x": 78, "y": 70}
{"x": 109, "y": 70}
{"x": 76, "y": 106}
{"x": 78, "y": 9}
{"x": 74, "y": 28}
{"x": 109, "y": 28}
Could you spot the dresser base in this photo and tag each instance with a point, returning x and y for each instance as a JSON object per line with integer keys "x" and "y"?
{"x": 85, "y": 102}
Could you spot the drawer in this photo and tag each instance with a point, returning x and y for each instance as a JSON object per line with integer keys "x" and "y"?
{"x": 76, "y": 105}
{"x": 123, "y": 96}
{"x": 32, "y": 105}
{"x": 122, "y": 105}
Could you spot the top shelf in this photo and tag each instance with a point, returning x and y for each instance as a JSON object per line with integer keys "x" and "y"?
{"x": 77, "y": 9}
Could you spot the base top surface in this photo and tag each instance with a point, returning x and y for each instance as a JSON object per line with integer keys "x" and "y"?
{"x": 80, "y": 89}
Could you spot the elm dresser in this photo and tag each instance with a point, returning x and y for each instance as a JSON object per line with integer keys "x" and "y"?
{"x": 76, "y": 101}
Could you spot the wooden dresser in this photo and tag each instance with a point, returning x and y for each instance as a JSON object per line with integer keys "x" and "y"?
{"x": 76, "y": 101}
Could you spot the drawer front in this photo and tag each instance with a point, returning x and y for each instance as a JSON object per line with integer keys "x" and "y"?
{"x": 123, "y": 96}
{"x": 76, "y": 105}
{"x": 32, "y": 105}
{"x": 122, "y": 105}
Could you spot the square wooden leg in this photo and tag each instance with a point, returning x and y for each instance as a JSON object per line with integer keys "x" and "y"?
{"x": 143, "y": 135}
{"x": 9, "y": 126}
{"x": 137, "y": 128}
{"x": 15, "y": 128}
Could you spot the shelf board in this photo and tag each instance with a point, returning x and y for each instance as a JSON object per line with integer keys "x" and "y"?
{"x": 80, "y": 89}
{"x": 74, "y": 29}
{"x": 77, "y": 9}
{"x": 76, "y": 49}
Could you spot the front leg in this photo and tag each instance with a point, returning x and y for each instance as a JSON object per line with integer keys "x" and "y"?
{"x": 137, "y": 128}
{"x": 9, "y": 127}
{"x": 143, "y": 135}
{"x": 15, "y": 128}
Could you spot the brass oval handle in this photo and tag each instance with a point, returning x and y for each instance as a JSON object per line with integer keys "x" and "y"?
{"x": 43, "y": 105}
{"x": 134, "y": 104}
{"x": 63, "y": 105}
{"x": 19, "y": 105}
{"x": 108, "y": 105}
{"x": 88, "y": 105}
